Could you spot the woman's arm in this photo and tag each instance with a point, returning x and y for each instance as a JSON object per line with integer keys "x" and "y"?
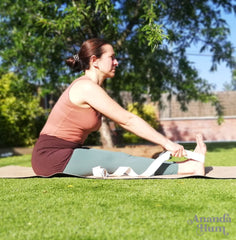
{"x": 87, "y": 92}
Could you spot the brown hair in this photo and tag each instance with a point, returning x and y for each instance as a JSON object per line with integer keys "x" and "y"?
{"x": 80, "y": 61}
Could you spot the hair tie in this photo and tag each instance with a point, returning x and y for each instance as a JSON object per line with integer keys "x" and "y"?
{"x": 76, "y": 57}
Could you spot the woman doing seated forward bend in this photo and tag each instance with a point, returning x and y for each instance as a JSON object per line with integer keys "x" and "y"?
{"x": 78, "y": 112}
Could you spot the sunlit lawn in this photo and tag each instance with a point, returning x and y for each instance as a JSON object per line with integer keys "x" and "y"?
{"x": 74, "y": 208}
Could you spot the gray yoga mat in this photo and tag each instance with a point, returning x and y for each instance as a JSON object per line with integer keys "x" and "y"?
{"x": 214, "y": 172}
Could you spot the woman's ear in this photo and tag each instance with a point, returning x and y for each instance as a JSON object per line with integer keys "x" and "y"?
{"x": 94, "y": 61}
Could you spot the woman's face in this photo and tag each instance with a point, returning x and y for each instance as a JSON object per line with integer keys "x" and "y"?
{"x": 107, "y": 63}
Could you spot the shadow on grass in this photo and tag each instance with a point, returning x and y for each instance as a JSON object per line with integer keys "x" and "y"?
{"x": 212, "y": 146}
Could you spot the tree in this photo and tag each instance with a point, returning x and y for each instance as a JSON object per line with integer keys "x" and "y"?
{"x": 36, "y": 36}
{"x": 232, "y": 85}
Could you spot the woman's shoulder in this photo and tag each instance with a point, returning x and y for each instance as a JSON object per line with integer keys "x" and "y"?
{"x": 84, "y": 89}
{"x": 81, "y": 80}
{"x": 84, "y": 83}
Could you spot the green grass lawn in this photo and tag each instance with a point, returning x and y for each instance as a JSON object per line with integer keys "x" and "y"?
{"x": 73, "y": 208}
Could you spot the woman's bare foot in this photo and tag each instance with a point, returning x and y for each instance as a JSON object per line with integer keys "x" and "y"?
{"x": 201, "y": 146}
{"x": 192, "y": 167}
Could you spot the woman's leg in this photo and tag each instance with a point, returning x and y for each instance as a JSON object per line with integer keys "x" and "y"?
{"x": 83, "y": 160}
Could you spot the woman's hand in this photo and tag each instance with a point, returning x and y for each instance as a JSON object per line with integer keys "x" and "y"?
{"x": 175, "y": 149}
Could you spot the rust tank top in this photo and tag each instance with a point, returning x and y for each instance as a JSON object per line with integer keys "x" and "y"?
{"x": 67, "y": 128}
{"x": 70, "y": 122}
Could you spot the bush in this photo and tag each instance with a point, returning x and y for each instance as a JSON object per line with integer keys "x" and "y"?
{"x": 146, "y": 112}
{"x": 93, "y": 139}
{"x": 21, "y": 116}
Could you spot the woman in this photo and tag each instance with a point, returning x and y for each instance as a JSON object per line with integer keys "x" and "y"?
{"x": 78, "y": 112}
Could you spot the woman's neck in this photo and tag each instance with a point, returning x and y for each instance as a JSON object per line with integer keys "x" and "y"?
{"x": 94, "y": 77}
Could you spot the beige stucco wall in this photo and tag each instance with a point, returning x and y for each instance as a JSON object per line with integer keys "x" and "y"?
{"x": 186, "y": 129}
{"x": 200, "y": 118}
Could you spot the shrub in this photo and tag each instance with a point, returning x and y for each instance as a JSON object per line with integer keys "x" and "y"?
{"x": 146, "y": 112}
{"x": 21, "y": 117}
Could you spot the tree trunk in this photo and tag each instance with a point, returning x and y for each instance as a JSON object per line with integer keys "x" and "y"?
{"x": 105, "y": 133}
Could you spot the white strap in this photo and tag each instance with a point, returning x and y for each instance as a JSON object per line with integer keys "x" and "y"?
{"x": 128, "y": 171}
{"x": 100, "y": 172}
{"x": 121, "y": 171}
{"x": 156, "y": 164}
{"x": 195, "y": 156}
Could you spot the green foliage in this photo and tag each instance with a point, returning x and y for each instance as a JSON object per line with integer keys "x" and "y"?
{"x": 21, "y": 117}
{"x": 152, "y": 32}
{"x": 232, "y": 85}
{"x": 150, "y": 37}
{"x": 146, "y": 112}
{"x": 93, "y": 139}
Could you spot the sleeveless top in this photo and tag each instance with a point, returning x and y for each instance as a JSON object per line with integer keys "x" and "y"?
{"x": 67, "y": 128}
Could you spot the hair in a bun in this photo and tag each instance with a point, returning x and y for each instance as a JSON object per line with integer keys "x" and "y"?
{"x": 80, "y": 61}
{"x": 74, "y": 64}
